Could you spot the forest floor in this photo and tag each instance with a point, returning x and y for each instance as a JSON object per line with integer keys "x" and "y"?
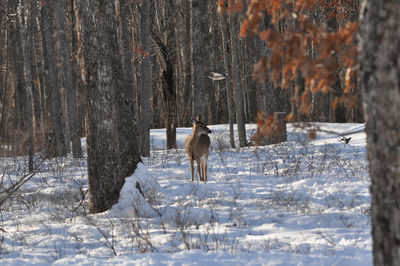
{"x": 302, "y": 202}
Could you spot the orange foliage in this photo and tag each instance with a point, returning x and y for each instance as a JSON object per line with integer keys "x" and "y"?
{"x": 290, "y": 47}
{"x": 266, "y": 126}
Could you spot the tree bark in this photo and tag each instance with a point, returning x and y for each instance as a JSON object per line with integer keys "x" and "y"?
{"x": 380, "y": 83}
{"x": 3, "y": 52}
{"x": 27, "y": 45}
{"x": 39, "y": 86}
{"x": 357, "y": 111}
{"x": 36, "y": 84}
{"x": 145, "y": 89}
{"x": 339, "y": 111}
{"x": 240, "y": 116}
{"x": 55, "y": 139}
{"x": 111, "y": 156}
{"x": 18, "y": 122}
{"x": 188, "y": 84}
{"x": 4, "y": 96}
{"x": 79, "y": 67}
{"x": 168, "y": 86}
{"x": 20, "y": 95}
{"x": 71, "y": 116}
{"x": 126, "y": 100}
{"x": 211, "y": 38}
{"x": 228, "y": 84}
{"x": 198, "y": 11}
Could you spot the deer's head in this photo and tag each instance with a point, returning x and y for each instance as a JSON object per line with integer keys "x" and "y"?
{"x": 200, "y": 127}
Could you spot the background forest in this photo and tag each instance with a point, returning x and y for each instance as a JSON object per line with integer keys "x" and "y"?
{"x": 172, "y": 48}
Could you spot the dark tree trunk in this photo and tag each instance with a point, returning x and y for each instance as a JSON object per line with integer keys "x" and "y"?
{"x": 55, "y": 139}
{"x": 38, "y": 89}
{"x": 111, "y": 156}
{"x": 357, "y": 111}
{"x": 211, "y": 31}
{"x": 380, "y": 83}
{"x": 36, "y": 84}
{"x": 228, "y": 84}
{"x": 4, "y": 96}
{"x": 188, "y": 85}
{"x": 145, "y": 88}
{"x": 321, "y": 102}
{"x": 78, "y": 68}
{"x": 27, "y": 46}
{"x": 256, "y": 89}
{"x": 198, "y": 11}
{"x": 240, "y": 115}
{"x": 274, "y": 99}
{"x": 170, "y": 101}
{"x": 125, "y": 101}
{"x": 71, "y": 116}
{"x": 20, "y": 95}
{"x": 3, "y": 54}
{"x": 19, "y": 125}
{"x": 339, "y": 111}
{"x": 168, "y": 87}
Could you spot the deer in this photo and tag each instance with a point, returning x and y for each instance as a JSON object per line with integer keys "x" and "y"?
{"x": 197, "y": 146}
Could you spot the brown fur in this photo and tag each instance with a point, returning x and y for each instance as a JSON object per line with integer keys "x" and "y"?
{"x": 197, "y": 145}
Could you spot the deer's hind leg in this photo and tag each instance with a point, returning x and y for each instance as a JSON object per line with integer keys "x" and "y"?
{"x": 192, "y": 168}
{"x": 205, "y": 171}
{"x": 199, "y": 170}
{"x": 203, "y": 161}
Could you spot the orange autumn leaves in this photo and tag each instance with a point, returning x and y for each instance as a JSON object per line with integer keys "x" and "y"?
{"x": 299, "y": 44}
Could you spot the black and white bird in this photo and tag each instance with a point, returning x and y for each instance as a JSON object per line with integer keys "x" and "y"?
{"x": 345, "y": 140}
{"x": 216, "y": 76}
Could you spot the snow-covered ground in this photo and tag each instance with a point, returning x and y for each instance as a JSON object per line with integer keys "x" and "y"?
{"x": 302, "y": 202}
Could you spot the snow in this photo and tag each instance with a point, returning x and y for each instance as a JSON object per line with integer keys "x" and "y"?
{"x": 131, "y": 202}
{"x": 302, "y": 202}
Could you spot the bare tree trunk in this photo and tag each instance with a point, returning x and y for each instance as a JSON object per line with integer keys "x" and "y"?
{"x": 71, "y": 116}
{"x": 79, "y": 68}
{"x": 36, "y": 84}
{"x": 321, "y": 102}
{"x": 27, "y": 45}
{"x": 380, "y": 83}
{"x": 168, "y": 87}
{"x": 55, "y": 139}
{"x": 20, "y": 111}
{"x": 339, "y": 113}
{"x": 211, "y": 32}
{"x": 4, "y": 96}
{"x": 145, "y": 89}
{"x": 111, "y": 156}
{"x": 240, "y": 116}
{"x": 198, "y": 11}
{"x": 126, "y": 105}
{"x": 228, "y": 84}
{"x": 38, "y": 92}
{"x": 76, "y": 70}
{"x": 3, "y": 52}
{"x": 20, "y": 95}
{"x": 357, "y": 111}
{"x": 188, "y": 85}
